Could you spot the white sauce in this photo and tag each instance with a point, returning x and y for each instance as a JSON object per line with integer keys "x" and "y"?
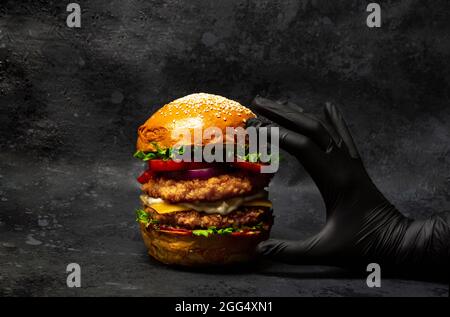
{"x": 223, "y": 207}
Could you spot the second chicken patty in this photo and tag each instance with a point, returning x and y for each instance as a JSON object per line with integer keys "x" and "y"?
{"x": 191, "y": 219}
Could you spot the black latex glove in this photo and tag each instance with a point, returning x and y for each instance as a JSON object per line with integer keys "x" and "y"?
{"x": 362, "y": 226}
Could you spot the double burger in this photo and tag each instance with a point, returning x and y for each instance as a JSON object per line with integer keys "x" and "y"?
{"x": 200, "y": 213}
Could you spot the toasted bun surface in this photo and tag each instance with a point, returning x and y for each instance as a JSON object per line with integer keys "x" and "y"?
{"x": 195, "y": 251}
{"x": 196, "y": 111}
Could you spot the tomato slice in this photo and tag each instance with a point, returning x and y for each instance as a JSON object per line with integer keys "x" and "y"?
{"x": 170, "y": 166}
{"x": 244, "y": 233}
{"x": 183, "y": 232}
{"x": 145, "y": 177}
{"x": 249, "y": 166}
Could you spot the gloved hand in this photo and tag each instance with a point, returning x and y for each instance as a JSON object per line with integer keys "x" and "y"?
{"x": 361, "y": 225}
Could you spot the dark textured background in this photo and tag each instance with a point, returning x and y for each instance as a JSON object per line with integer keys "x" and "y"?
{"x": 71, "y": 100}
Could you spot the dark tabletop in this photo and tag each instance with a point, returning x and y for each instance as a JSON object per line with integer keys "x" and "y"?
{"x": 72, "y": 99}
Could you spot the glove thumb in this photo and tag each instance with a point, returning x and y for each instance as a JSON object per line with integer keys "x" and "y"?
{"x": 294, "y": 252}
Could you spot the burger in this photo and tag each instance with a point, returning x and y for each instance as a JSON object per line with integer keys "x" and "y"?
{"x": 200, "y": 213}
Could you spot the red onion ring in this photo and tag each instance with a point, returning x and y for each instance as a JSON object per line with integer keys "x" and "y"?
{"x": 203, "y": 173}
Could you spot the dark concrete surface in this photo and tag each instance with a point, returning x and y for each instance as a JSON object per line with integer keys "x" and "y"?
{"x": 71, "y": 100}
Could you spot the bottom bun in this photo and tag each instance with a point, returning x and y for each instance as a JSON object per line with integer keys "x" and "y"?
{"x": 188, "y": 250}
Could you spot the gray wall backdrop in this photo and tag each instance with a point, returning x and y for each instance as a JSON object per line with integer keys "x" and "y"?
{"x": 72, "y": 99}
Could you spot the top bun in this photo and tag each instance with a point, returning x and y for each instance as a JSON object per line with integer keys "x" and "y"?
{"x": 195, "y": 111}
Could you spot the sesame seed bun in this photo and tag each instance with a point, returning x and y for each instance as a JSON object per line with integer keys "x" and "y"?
{"x": 195, "y": 111}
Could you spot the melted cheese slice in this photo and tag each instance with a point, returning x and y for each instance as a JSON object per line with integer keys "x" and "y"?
{"x": 166, "y": 208}
{"x": 224, "y": 207}
{"x": 259, "y": 203}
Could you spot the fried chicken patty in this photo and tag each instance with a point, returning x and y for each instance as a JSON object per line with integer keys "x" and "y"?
{"x": 215, "y": 188}
{"x": 191, "y": 219}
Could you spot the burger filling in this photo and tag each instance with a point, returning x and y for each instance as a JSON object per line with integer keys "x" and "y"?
{"x": 202, "y": 199}
{"x": 244, "y": 213}
{"x": 243, "y": 220}
{"x": 222, "y": 207}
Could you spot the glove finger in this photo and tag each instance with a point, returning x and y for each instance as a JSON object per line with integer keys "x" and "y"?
{"x": 296, "y": 144}
{"x": 326, "y": 124}
{"x": 335, "y": 117}
{"x": 293, "y": 119}
{"x": 292, "y": 105}
{"x": 294, "y": 252}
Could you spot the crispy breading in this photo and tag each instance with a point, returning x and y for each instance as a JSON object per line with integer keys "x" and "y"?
{"x": 215, "y": 188}
{"x": 191, "y": 219}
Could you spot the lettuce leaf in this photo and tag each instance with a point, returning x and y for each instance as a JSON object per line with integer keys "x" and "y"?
{"x": 202, "y": 232}
{"x": 144, "y": 156}
{"x": 143, "y": 217}
{"x": 160, "y": 153}
{"x": 222, "y": 231}
{"x": 169, "y": 153}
